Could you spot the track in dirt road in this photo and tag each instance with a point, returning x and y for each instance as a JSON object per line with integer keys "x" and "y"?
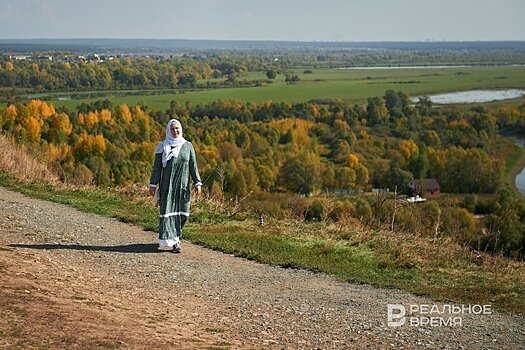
{"x": 76, "y": 280}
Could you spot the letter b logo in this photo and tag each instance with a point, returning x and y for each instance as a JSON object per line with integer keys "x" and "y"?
{"x": 396, "y": 315}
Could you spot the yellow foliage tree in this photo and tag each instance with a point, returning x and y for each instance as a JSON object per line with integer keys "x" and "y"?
{"x": 341, "y": 127}
{"x": 81, "y": 118}
{"x": 10, "y": 113}
{"x": 352, "y": 160}
{"x": 314, "y": 110}
{"x": 60, "y": 128}
{"x": 99, "y": 144}
{"x": 89, "y": 145}
{"x": 58, "y": 153}
{"x": 53, "y": 152}
{"x": 360, "y": 170}
{"x": 299, "y": 129}
{"x": 408, "y": 149}
{"x": 47, "y": 110}
{"x": 143, "y": 121}
{"x": 9, "y": 66}
{"x": 125, "y": 113}
{"x": 39, "y": 109}
{"x": 61, "y": 123}
{"x": 91, "y": 120}
{"x": 105, "y": 116}
{"x": 33, "y": 129}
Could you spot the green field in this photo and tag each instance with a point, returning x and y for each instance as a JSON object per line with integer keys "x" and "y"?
{"x": 353, "y": 86}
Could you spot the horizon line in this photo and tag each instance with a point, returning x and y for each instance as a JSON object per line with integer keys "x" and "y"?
{"x": 276, "y": 40}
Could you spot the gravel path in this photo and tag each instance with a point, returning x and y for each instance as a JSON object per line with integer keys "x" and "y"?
{"x": 107, "y": 277}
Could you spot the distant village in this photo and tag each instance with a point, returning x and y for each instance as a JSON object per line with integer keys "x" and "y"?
{"x": 77, "y": 58}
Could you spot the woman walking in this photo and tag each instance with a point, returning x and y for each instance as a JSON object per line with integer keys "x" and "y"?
{"x": 174, "y": 164}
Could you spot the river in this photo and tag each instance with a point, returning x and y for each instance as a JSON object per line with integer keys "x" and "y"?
{"x": 475, "y": 96}
{"x": 423, "y": 67}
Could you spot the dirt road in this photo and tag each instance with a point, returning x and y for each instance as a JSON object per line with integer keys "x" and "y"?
{"x": 71, "y": 280}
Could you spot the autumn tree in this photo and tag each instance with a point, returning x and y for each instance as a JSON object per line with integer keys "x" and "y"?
{"x": 60, "y": 128}
{"x": 301, "y": 173}
{"x": 124, "y": 114}
{"x": 89, "y": 145}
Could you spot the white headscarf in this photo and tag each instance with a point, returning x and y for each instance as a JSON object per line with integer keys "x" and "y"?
{"x": 171, "y": 146}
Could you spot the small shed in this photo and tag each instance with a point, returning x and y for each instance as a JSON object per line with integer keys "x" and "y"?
{"x": 426, "y": 187}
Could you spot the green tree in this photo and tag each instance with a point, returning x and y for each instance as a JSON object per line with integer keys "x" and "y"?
{"x": 376, "y": 111}
{"x": 506, "y": 226}
{"x": 418, "y": 165}
{"x": 346, "y": 177}
{"x": 271, "y": 74}
{"x": 301, "y": 174}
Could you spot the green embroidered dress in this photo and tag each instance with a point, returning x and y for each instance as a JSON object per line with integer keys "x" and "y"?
{"x": 175, "y": 191}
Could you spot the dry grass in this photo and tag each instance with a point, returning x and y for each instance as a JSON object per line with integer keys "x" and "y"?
{"x": 15, "y": 161}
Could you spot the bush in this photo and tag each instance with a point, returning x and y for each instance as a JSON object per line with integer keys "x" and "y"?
{"x": 314, "y": 212}
{"x": 342, "y": 211}
{"x": 460, "y": 224}
{"x": 363, "y": 210}
{"x": 82, "y": 175}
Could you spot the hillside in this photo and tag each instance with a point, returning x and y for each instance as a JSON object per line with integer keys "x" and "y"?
{"x": 99, "y": 275}
{"x": 342, "y": 246}
{"x": 262, "y": 156}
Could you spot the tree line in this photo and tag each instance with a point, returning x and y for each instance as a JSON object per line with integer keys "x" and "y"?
{"x": 185, "y": 71}
{"x": 126, "y": 73}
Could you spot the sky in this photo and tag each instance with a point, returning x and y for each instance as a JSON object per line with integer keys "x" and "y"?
{"x": 296, "y": 20}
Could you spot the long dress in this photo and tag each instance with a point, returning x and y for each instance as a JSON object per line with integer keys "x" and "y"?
{"x": 175, "y": 191}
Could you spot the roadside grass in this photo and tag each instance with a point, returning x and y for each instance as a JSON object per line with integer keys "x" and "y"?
{"x": 353, "y": 86}
{"x": 514, "y": 165}
{"x": 513, "y": 159}
{"x": 89, "y": 199}
{"x": 514, "y": 156}
{"x": 441, "y": 268}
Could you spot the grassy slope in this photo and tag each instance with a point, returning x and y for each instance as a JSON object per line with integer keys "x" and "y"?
{"x": 354, "y": 86}
{"x": 514, "y": 159}
{"x": 514, "y": 156}
{"x": 514, "y": 165}
{"x": 440, "y": 269}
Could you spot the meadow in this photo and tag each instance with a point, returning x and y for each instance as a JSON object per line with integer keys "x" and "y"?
{"x": 353, "y": 86}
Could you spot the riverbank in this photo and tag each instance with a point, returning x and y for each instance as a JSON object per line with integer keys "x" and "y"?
{"x": 514, "y": 164}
